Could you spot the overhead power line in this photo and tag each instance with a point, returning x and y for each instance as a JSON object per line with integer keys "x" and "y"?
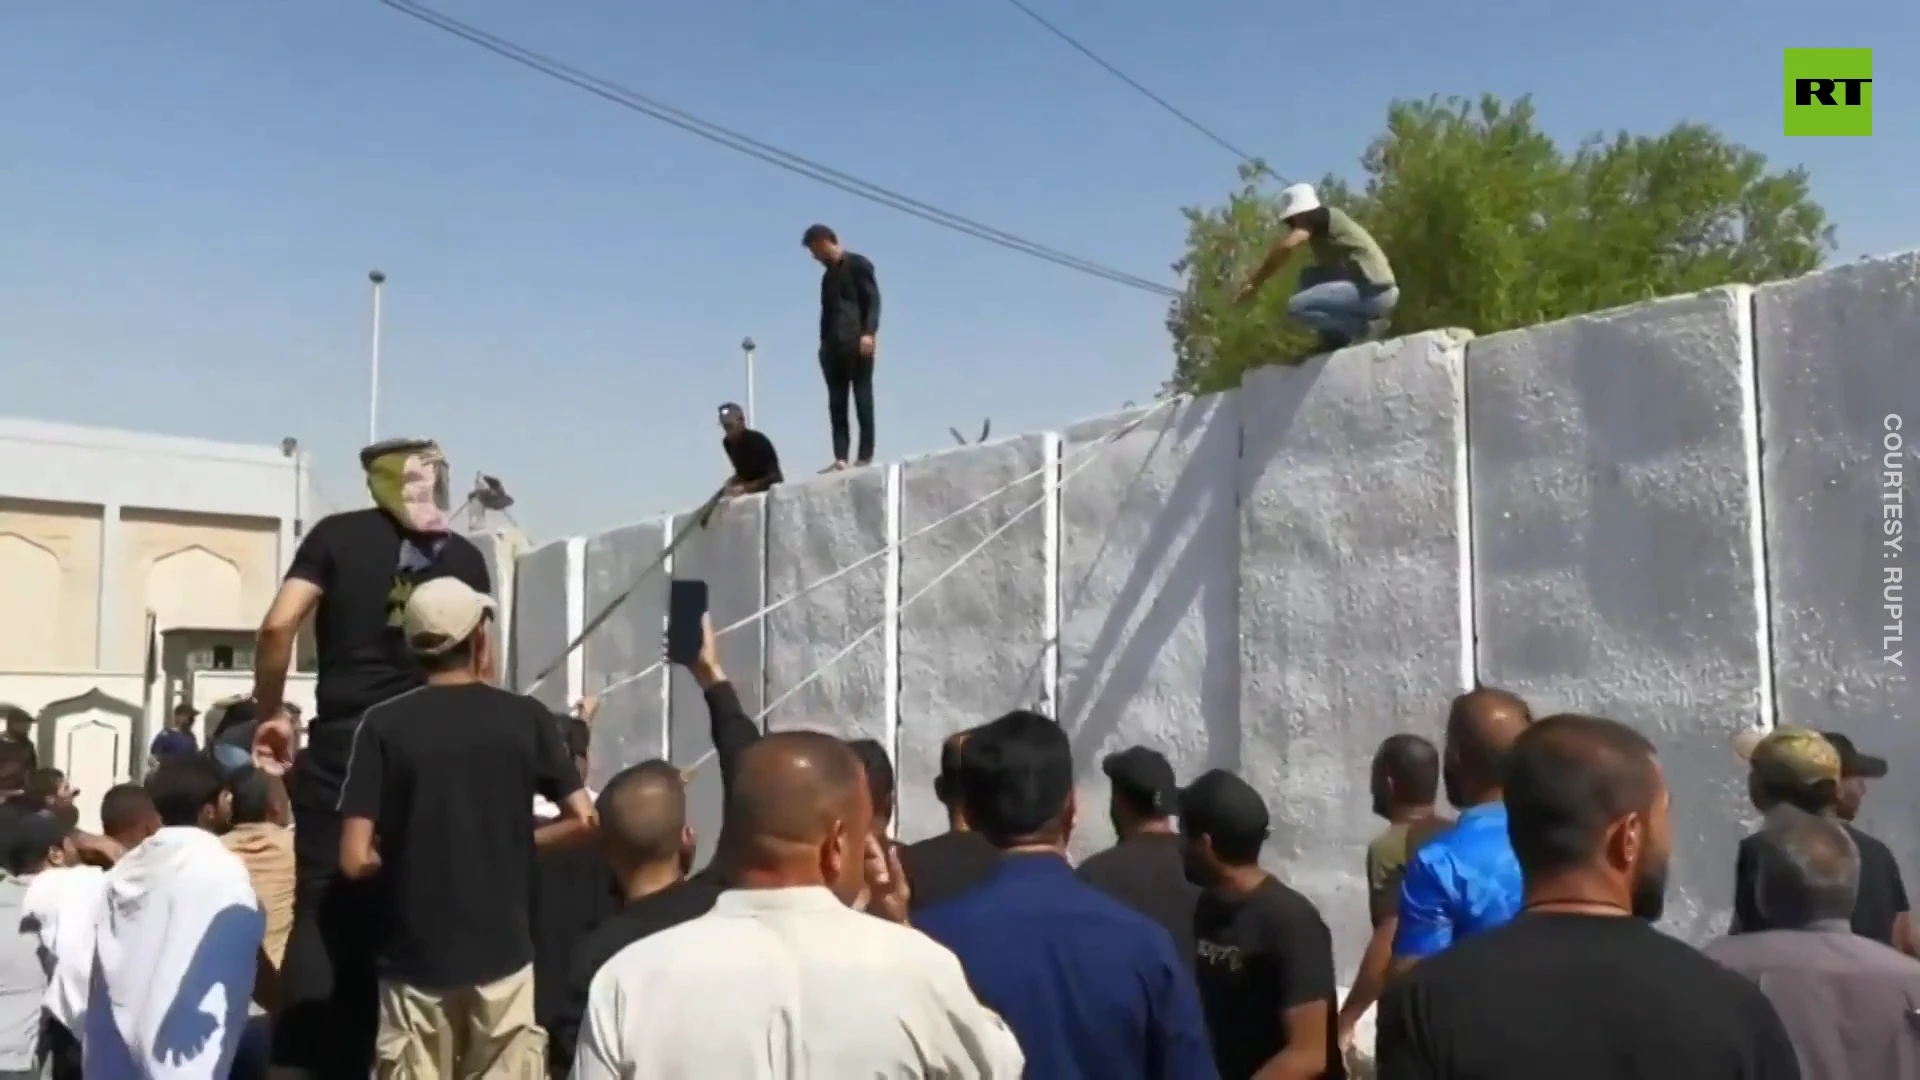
{"x": 766, "y": 152}
{"x": 1169, "y": 107}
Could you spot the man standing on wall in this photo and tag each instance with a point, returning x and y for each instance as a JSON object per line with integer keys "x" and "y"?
{"x": 849, "y": 327}
{"x": 353, "y": 573}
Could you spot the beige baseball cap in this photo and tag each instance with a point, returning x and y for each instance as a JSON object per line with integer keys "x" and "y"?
{"x": 1794, "y": 756}
{"x": 442, "y": 613}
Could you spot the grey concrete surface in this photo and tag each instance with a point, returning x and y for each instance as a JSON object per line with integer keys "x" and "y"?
{"x": 540, "y": 622}
{"x": 1352, "y": 580}
{"x": 1149, "y": 594}
{"x": 1839, "y": 364}
{"x": 970, "y": 647}
{"x": 729, "y": 554}
{"x": 814, "y": 531}
{"x": 624, "y": 581}
{"x": 1615, "y": 523}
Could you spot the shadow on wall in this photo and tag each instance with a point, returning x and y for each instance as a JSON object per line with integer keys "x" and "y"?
{"x": 1149, "y": 610}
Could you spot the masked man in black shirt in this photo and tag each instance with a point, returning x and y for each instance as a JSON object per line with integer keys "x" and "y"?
{"x": 756, "y": 464}
{"x": 849, "y": 327}
{"x": 353, "y": 573}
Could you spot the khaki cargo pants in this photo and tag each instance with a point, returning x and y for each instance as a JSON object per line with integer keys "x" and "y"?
{"x": 467, "y": 1033}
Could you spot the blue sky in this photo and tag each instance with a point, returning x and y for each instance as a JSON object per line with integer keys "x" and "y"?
{"x": 196, "y": 189}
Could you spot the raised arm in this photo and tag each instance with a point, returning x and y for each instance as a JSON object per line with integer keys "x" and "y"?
{"x": 733, "y": 730}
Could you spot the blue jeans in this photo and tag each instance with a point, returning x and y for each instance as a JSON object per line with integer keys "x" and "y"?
{"x": 1339, "y": 307}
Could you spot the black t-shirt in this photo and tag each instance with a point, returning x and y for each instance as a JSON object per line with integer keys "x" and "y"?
{"x": 755, "y": 462}
{"x": 1578, "y": 997}
{"x": 573, "y": 892}
{"x": 942, "y": 867}
{"x": 1145, "y": 873}
{"x": 1881, "y": 900}
{"x": 448, "y": 775}
{"x": 1257, "y": 956}
{"x": 681, "y": 902}
{"x": 366, "y": 566}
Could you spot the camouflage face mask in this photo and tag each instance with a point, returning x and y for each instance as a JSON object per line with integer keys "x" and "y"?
{"x": 408, "y": 479}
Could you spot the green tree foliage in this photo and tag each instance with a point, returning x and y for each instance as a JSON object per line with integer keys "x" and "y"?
{"x": 1490, "y": 226}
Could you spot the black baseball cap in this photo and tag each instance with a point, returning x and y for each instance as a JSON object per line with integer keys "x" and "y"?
{"x": 1853, "y": 763}
{"x": 1143, "y": 777}
{"x": 729, "y": 410}
{"x": 1225, "y": 807}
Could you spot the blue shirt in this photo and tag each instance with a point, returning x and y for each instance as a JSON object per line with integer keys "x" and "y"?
{"x": 1092, "y": 989}
{"x": 173, "y": 743}
{"x": 1459, "y": 883}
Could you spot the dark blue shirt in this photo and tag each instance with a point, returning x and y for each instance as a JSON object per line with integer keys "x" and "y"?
{"x": 1461, "y": 882}
{"x": 1092, "y": 989}
{"x": 173, "y": 743}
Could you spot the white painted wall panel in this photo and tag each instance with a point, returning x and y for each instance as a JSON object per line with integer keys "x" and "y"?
{"x": 815, "y": 530}
{"x": 1839, "y": 354}
{"x": 1615, "y": 524}
{"x": 625, "y": 581}
{"x": 1149, "y": 586}
{"x": 1352, "y": 582}
{"x": 972, "y": 647}
{"x": 540, "y": 622}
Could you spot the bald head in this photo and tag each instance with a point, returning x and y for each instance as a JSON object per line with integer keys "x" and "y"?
{"x": 1481, "y": 727}
{"x": 792, "y": 787}
{"x": 643, "y": 814}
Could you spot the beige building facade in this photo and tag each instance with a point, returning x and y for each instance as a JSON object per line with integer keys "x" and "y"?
{"x": 100, "y": 528}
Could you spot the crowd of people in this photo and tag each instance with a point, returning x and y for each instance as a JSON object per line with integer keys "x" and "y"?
{"x": 425, "y": 887}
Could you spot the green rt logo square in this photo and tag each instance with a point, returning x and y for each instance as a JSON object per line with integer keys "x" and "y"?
{"x": 1829, "y": 92}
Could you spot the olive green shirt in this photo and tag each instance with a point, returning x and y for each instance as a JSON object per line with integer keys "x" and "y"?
{"x": 1344, "y": 246}
{"x": 1387, "y": 858}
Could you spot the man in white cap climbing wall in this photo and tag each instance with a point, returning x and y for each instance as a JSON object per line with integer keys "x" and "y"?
{"x": 1348, "y": 293}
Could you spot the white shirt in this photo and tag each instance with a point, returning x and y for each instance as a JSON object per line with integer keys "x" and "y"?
{"x": 64, "y": 904}
{"x": 789, "y": 984}
{"x": 176, "y": 944}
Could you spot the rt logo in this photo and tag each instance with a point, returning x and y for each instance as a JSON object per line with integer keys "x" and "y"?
{"x": 1829, "y": 92}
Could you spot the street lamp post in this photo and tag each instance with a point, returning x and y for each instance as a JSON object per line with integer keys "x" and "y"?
{"x": 746, "y": 349}
{"x": 378, "y": 280}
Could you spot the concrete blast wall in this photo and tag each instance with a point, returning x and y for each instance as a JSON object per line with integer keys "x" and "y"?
{"x": 1683, "y": 514}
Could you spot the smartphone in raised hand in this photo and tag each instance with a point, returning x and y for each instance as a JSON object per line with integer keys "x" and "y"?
{"x": 686, "y": 608}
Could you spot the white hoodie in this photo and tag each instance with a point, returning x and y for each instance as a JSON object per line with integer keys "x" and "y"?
{"x": 65, "y": 905}
{"x": 175, "y": 949}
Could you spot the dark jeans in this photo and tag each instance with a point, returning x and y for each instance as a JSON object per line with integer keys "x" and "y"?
{"x": 845, "y": 369}
{"x": 329, "y": 1004}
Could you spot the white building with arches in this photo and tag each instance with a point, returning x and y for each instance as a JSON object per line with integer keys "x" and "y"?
{"x": 108, "y": 541}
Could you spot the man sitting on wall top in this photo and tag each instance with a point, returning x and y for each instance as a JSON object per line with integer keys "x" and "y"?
{"x": 756, "y": 464}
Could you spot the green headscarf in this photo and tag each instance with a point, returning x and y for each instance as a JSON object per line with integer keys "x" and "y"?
{"x": 408, "y": 479}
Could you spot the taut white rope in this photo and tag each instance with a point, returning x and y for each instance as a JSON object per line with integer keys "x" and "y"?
{"x": 1085, "y": 451}
{"x": 929, "y": 586}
